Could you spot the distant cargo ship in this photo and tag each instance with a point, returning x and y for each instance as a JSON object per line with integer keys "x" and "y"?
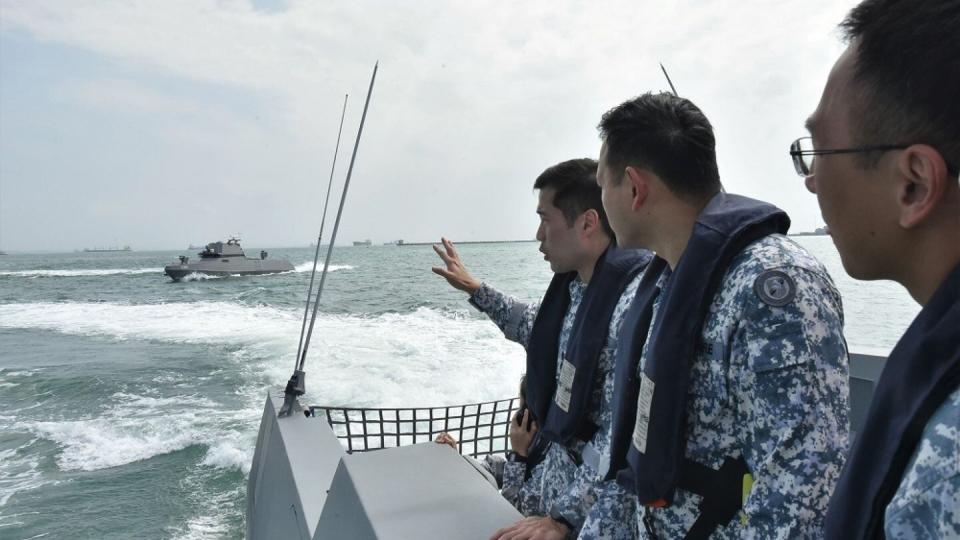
{"x": 365, "y": 243}
{"x": 106, "y": 249}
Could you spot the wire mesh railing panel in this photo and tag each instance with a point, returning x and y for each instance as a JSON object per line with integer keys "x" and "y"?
{"x": 480, "y": 428}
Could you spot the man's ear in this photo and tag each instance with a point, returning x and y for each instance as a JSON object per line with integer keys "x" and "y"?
{"x": 921, "y": 183}
{"x": 591, "y": 220}
{"x": 639, "y": 180}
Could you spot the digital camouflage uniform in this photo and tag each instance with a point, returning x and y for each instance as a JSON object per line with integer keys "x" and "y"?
{"x": 770, "y": 383}
{"x": 557, "y": 486}
{"x": 927, "y": 503}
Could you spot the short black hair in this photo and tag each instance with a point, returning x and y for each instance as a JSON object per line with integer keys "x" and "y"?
{"x": 575, "y": 189}
{"x": 907, "y": 74}
{"x": 668, "y": 135}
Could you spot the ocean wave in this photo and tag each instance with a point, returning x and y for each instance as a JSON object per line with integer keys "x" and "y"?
{"x": 19, "y": 473}
{"x": 211, "y": 512}
{"x": 428, "y": 357}
{"x": 308, "y": 266}
{"x": 181, "y": 322}
{"x": 372, "y": 359}
{"x": 137, "y": 428}
{"x": 81, "y": 273}
{"x": 100, "y": 443}
{"x": 197, "y": 276}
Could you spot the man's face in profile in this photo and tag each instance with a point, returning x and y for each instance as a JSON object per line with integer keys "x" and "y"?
{"x": 617, "y": 200}
{"x": 560, "y": 241}
{"x": 853, "y": 198}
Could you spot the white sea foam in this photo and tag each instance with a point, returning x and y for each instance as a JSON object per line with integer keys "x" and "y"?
{"x": 198, "y": 322}
{"x": 99, "y": 443}
{"x": 19, "y": 473}
{"x": 423, "y": 358}
{"x": 212, "y": 512}
{"x": 135, "y": 428}
{"x": 308, "y": 266}
{"x": 81, "y": 273}
{"x": 196, "y": 276}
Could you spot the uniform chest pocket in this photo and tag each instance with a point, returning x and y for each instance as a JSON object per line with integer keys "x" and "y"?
{"x": 709, "y": 387}
{"x": 777, "y": 346}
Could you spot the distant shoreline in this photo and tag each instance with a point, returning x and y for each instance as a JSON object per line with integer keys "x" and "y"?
{"x": 466, "y": 243}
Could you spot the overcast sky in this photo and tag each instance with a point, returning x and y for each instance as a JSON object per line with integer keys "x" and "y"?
{"x": 167, "y": 122}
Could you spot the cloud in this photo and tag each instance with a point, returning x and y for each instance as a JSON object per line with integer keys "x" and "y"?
{"x": 473, "y": 100}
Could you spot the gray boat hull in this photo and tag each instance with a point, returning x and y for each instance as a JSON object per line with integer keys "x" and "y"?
{"x": 232, "y": 266}
{"x": 303, "y": 485}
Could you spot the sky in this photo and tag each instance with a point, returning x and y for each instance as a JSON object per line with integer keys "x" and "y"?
{"x": 163, "y": 123}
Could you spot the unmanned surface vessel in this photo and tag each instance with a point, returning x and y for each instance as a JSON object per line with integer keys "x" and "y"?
{"x": 226, "y": 259}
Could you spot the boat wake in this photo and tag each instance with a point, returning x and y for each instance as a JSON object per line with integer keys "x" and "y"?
{"x": 308, "y": 266}
{"x": 425, "y": 357}
{"x": 81, "y": 273}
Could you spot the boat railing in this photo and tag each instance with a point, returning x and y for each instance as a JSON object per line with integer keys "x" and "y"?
{"x": 480, "y": 428}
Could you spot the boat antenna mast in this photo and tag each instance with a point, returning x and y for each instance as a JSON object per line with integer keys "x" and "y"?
{"x": 323, "y": 221}
{"x": 295, "y": 386}
{"x": 672, "y": 89}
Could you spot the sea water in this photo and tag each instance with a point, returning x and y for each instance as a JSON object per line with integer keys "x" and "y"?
{"x": 129, "y": 404}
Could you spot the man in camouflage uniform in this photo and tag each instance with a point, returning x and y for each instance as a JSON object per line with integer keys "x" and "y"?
{"x": 559, "y": 489}
{"x": 767, "y": 382}
{"x": 886, "y": 136}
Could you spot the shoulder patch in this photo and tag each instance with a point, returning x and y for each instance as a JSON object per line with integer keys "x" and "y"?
{"x": 775, "y": 288}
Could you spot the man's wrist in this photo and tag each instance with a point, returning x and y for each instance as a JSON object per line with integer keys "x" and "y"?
{"x": 562, "y": 521}
{"x": 516, "y": 457}
{"x": 476, "y": 301}
{"x": 474, "y": 286}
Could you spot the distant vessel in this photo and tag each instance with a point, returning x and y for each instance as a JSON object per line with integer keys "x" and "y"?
{"x": 365, "y": 243}
{"x": 820, "y": 231}
{"x": 226, "y": 259}
{"x": 191, "y": 246}
{"x": 394, "y": 243}
{"x": 106, "y": 249}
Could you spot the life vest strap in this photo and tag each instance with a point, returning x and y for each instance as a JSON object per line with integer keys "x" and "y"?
{"x": 586, "y": 430}
{"x": 722, "y": 492}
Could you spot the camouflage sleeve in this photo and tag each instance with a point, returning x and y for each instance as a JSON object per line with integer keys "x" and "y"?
{"x": 522, "y": 492}
{"x": 514, "y": 317}
{"x": 513, "y": 478}
{"x": 612, "y": 514}
{"x": 575, "y": 500}
{"x": 494, "y": 464}
{"x": 927, "y": 503}
{"x": 790, "y": 375}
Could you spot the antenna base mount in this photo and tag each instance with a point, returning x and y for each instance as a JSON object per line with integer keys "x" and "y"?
{"x": 295, "y": 388}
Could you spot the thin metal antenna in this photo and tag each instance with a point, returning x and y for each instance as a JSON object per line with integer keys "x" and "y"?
{"x": 323, "y": 221}
{"x": 295, "y": 386}
{"x": 336, "y": 224}
{"x": 672, "y": 89}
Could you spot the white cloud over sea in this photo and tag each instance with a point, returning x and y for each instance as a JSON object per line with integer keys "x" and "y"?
{"x": 159, "y": 123}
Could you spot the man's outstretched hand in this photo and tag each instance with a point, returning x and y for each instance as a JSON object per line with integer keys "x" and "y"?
{"x": 454, "y": 271}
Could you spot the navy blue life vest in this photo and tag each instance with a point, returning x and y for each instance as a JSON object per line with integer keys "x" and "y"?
{"x": 921, "y": 373}
{"x": 723, "y": 229}
{"x": 612, "y": 273}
